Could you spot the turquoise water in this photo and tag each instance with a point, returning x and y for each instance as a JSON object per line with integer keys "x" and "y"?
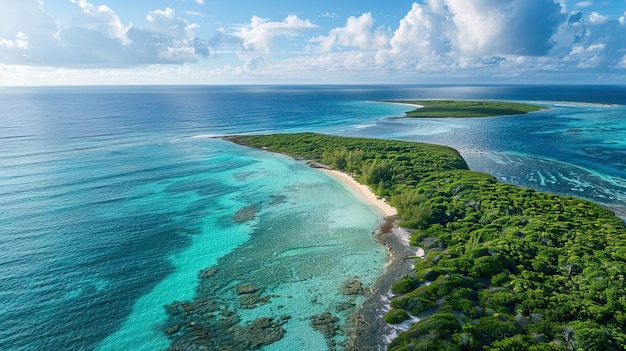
{"x": 113, "y": 199}
{"x": 308, "y": 235}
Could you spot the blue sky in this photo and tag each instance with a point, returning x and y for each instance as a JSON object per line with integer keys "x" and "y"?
{"x": 57, "y": 42}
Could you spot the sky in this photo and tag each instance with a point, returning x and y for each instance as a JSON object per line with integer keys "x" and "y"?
{"x": 110, "y": 42}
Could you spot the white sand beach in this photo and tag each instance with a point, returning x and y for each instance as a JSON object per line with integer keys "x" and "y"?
{"x": 362, "y": 191}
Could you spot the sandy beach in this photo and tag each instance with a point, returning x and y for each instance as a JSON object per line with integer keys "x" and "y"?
{"x": 362, "y": 191}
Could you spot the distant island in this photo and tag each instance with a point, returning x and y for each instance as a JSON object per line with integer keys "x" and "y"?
{"x": 506, "y": 268}
{"x": 466, "y": 109}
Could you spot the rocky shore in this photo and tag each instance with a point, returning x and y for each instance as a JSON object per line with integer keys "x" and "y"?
{"x": 368, "y": 329}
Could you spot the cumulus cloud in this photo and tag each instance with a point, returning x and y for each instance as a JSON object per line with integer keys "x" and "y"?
{"x": 514, "y": 27}
{"x": 512, "y": 35}
{"x": 592, "y": 42}
{"x": 596, "y": 18}
{"x": 587, "y": 57}
{"x": 357, "y": 33}
{"x": 101, "y": 19}
{"x": 622, "y": 19}
{"x": 96, "y": 36}
{"x": 461, "y": 34}
{"x": 165, "y": 23}
{"x": 172, "y": 37}
{"x": 260, "y": 32}
{"x": 20, "y": 41}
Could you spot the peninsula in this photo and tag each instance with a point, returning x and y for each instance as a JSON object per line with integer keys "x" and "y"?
{"x": 506, "y": 268}
{"x": 466, "y": 109}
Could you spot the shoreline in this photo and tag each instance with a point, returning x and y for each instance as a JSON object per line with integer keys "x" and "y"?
{"x": 368, "y": 329}
{"x": 361, "y": 191}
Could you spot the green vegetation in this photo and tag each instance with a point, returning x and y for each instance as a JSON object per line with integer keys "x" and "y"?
{"x": 507, "y": 268}
{"x": 395, "y": 316}
{"x": 467, "y": 109}
{"x": 384, "y": 165}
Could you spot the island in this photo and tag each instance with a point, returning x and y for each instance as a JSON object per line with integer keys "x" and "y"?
{"x": 505, "y": 268}
{"x": 466, "y": 109}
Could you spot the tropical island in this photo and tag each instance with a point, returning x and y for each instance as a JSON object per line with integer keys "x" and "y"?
{"x": 466, "y": 109}
{"x": 506, "y": 268}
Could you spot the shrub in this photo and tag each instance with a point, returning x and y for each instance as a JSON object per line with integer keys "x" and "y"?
{"x": 405, "y": 285}
{"x": 396, "y": 316}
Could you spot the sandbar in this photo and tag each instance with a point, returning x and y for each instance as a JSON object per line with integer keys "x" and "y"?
{"x": 362, "y": 191}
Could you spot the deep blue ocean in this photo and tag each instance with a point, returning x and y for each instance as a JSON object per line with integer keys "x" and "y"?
{"x": 113, "y": 199}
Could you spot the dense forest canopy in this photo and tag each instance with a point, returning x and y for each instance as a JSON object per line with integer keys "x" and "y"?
{"x": 506, "y": 268}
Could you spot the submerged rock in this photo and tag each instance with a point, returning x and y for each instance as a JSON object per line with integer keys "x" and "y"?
{"x": 326, "y": 323}
{"x": 261, "y": 332}
{"x": 245, "y": 214}
{"x": 246, "y": 289}
{"x": 207, "y": 272}
{"x": 250, "y": 301}
{"x": 277, "y": 199}
{"x": 172, "y": 330}
{"x": 250, "y": 296}
{"x": 345, "y": 306}
{"x": 229, "y": 322}
{"x": 179, "y": 308}
{"x": 352, "y": 286}
{"x": 226, "y": 334}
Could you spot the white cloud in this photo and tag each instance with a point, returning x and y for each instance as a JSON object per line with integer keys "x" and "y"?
{"x": 356, "y": 33}
{"x": 95, "y": 37}
{"x": 513, "y": 37}
{"x": 20, "y": 41}
{"x": 596, "y": 18}
{"x": 515, "y": 27}
{"x": 420, "y": 32}
{"x": 200, "y": 2}
{"x": 102, "y": 19}
{"x": 596, "y": 47}
{"x": 622, "y": 19}
{"x": 592, "y": 45}
{"x": 583, "y": 4}
{"x": 587, "y": 57}
{"x": 478, "y": 30}
{"x": 259, "y": 34}
{"x": 169, "y": 38}
{"x": 466, "y": 33}
{"x": 28, "y": 33}
{"x": 167, "y": 24}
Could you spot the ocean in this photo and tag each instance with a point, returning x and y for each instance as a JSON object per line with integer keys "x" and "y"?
{"x": 114, "y": 201}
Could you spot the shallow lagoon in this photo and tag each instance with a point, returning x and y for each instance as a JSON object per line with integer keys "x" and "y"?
{"x": 308, "y": 235}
